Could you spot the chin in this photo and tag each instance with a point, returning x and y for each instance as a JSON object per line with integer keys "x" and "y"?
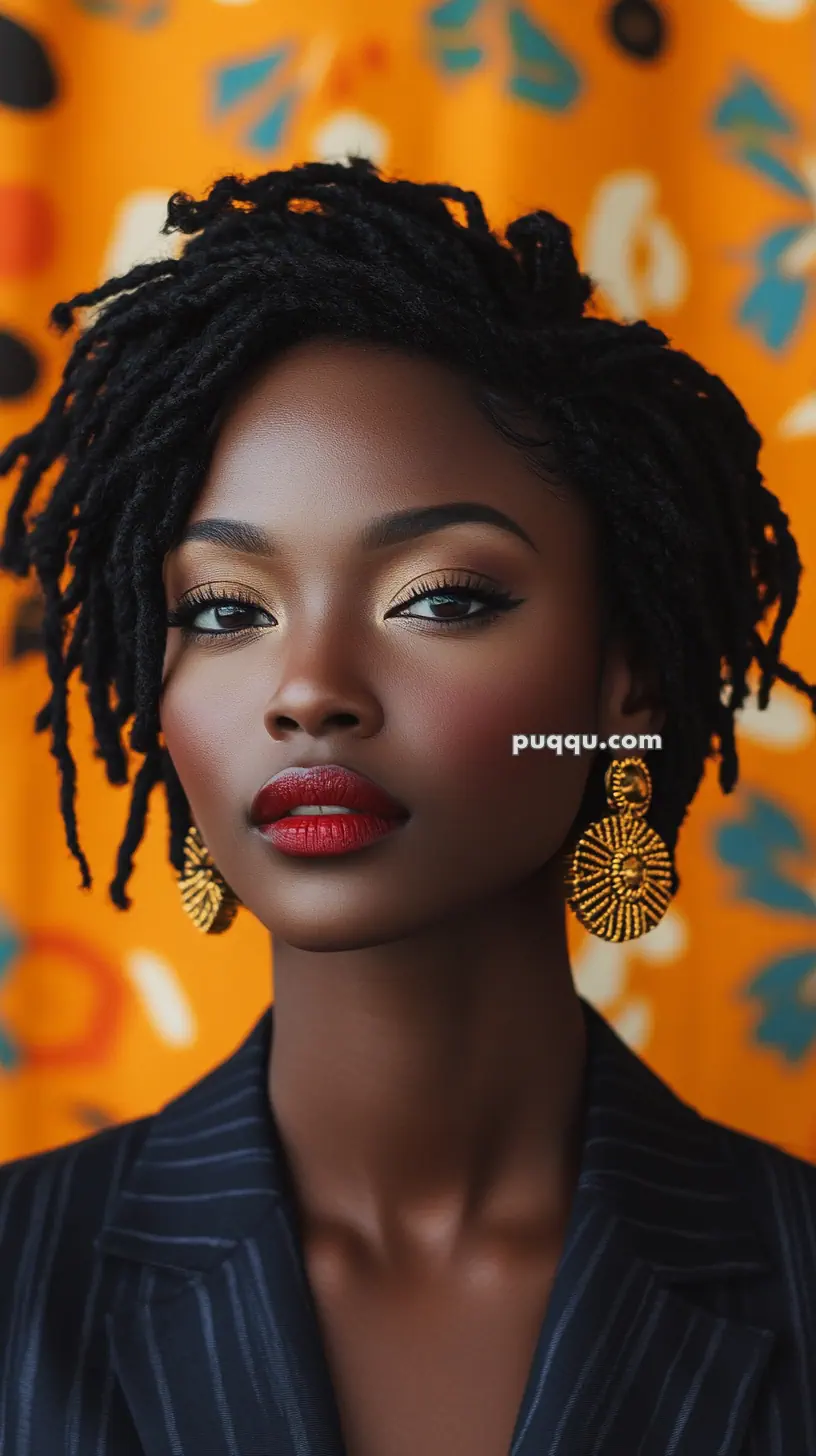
{"x": 343, "y": 933}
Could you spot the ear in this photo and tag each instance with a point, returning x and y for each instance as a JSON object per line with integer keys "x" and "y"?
{"x": 628, "y": 698}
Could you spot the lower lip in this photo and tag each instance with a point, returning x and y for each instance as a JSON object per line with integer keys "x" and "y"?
{"x": 319, "y": 834}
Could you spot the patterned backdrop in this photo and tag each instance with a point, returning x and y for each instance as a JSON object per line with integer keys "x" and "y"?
{"x": 679, "y": 141}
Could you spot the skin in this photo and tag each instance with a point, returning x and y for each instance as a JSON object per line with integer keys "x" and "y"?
{"x": 429, "y": 1044}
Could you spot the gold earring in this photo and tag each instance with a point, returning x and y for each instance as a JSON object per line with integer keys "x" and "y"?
{"x": 620, "y": 873}
{"x": 207, "y": 898}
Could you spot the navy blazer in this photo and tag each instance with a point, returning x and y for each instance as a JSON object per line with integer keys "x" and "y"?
{"x": 154, "y": 1299}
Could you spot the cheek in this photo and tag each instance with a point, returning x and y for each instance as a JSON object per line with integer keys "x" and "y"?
{"x": 208, "y": 719}
{"x": 541, "y": 680}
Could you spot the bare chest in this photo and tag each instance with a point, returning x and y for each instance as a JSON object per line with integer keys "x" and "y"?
{"x": 438, "y": 1367}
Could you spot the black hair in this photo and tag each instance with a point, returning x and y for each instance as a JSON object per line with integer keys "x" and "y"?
{"x": 697, "y": 551}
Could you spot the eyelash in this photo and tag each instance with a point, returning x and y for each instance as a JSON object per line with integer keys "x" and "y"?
{"x": 496, "y": 602}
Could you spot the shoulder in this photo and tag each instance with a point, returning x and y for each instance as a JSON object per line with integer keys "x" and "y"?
{"x": 55, "y": 1385}
{"x": 53, "y": 1204}
{"x": 763, "y": 1169}
{"x": 779, "y": 1188}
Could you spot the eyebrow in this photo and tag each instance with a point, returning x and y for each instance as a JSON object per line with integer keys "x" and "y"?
{"x": 384, "y": 531}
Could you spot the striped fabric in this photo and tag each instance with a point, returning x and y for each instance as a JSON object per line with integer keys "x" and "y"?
{"x": 154, "y": 1301}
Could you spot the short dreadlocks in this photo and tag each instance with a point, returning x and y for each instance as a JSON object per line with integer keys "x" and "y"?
{"x": 700, "y": 552}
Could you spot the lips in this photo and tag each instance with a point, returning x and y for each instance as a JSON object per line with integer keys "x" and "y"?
{"x": 328, "y": 784}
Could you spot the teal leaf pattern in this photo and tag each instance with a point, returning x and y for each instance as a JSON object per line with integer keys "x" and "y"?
{"x": 266, "y": 134}
{"x": 757, "y": 126}
{"x": 10, "y": 947}
{"x": 263, "y": 77}
{"x": 785, "y": 987}
{"x": 139, "y": 19}
{"x": 235, "y": 81}
{"x": 461, "y": 58}
{"x": 788, "y": 1020}
{"x": 748, "y": 106}
{"x": 541, "y": 72}
{"x": 773, "y": 306}
{"x": 545, "y": 75}
{"x": 454, "y": 13}
{"x": 752, "y": 847}
{"x": 775, "y": 170}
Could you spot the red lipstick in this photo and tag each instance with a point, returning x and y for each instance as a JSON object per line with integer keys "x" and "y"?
{"x": 348, "y": 811}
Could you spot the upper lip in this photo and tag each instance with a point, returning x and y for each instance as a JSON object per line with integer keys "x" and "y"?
{"x": 325, "y": 783}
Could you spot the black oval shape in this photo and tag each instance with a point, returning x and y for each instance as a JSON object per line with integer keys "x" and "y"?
{"x": 19, "y": 366}
{"x": 28, "y": 81}
{"x": 27, "y": 628}
{"x": 639, "y": 28}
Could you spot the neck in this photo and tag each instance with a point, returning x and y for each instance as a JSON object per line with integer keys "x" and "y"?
{"x": 431, "y": 1087}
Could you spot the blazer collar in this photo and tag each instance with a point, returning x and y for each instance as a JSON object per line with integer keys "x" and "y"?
{"x": 206, "y": 1237}
{"x": 212, "y": 1165}
{"x": 210, "y": 1168}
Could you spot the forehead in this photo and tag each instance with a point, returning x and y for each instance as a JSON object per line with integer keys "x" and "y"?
{"x": 332, "y": 431}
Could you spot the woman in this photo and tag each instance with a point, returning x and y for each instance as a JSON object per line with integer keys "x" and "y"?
{"x": 355, "y": 496}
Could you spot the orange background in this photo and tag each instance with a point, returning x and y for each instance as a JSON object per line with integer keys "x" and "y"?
{"x": 677, "y": 160}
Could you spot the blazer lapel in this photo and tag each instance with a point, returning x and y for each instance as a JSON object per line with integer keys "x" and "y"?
{"x": 213, "y": 1330}
{"x": 215, "y": 1336}
{"x": 629, "y": 1359}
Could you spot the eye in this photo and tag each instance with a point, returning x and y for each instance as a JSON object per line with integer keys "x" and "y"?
{"x": 210, "y": 612}
{"x": 446, "y": 596}
{"x": 205, "y": 612}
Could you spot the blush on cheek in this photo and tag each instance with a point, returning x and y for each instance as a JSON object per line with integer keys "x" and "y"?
{"x": 468, "y": 733}
{"x": 473, "y": 725}
{"x": 189, "y": 746}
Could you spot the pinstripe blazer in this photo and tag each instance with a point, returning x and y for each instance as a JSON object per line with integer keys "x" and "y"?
{"x": 154, "y": 1300}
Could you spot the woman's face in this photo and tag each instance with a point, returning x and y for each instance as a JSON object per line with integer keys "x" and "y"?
{"x": 353, "y": 654}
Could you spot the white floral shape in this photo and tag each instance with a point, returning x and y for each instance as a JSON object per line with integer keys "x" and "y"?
{"x": 785, "y": 725}
{"x": 667, "y": 941}
{"x": 135, "y": 237}
{"x": 623, "y": 226}
{"x": 163, "y": 998}
{"x": 349, "y": 133}
{"x": 800, "y": 420}
{"x": 776, "y": 9}
{"x": 634, "y": 1023}
{"x": 599, "y": 971}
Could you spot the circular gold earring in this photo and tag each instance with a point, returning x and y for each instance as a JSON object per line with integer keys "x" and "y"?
{"x": 205, "y": 895}
{"x": 620, "y": 873}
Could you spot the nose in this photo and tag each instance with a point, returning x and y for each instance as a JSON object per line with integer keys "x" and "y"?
{"x": 319, "y": 695}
